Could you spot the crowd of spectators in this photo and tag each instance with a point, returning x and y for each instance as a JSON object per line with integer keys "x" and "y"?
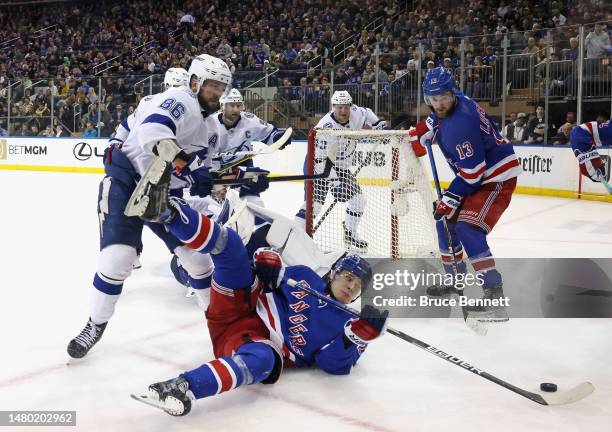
{"x": 65, "y": 47}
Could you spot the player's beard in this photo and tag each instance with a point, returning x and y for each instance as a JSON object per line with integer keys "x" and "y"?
{"x": 210, "y": 107}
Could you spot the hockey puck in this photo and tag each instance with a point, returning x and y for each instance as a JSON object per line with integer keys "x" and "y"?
{"x": 548, "y": 387}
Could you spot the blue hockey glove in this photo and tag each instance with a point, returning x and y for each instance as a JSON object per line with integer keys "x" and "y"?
{"x": 368, "y": 327}
{"x": 381, "y": 125}
{"x": 277, "y": 135}
{"x": 197, "y": 175}
{"x": 447, "y": 205}
{"x": 268, "y": 268}
{"x": 258, "y": 181}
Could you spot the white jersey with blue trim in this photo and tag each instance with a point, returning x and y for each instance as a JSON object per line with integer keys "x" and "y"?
{"x": 123, "y": 129}
{"x": 358, "y": 118}
{"x": 240, "y": 137}
{"x": 174, "y": 114}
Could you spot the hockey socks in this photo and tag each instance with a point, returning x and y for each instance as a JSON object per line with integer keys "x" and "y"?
{"x": 197, "y": 231}
{"x": 251, "y": 363}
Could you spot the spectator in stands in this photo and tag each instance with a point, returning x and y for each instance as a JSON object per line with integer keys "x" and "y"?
{"x": 558, "y": 18}
{"x": 89, "y": 131}
{"x": 597, "y": 43}
{"x": 509, "y": 121}
{"x": 562, "y": 136}
{"x": 3, "y": 132}
{"x": 531, "y": 47}
{"x": 517, "y": 132}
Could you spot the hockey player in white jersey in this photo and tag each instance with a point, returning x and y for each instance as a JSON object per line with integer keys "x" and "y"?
{"x": 237, "y": 131}
{"x": 174, "y": 115}
{"x": 342, "y": 183}
{"x": 174, "y": 77}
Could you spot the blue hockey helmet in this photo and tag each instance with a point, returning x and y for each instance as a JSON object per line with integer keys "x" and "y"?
{"x": 356, "y": 265}
{"x": 438, "y": 81}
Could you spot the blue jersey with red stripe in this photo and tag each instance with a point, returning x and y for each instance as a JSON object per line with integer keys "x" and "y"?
{"x": 590, "y": 135}
{"x": 473, "y": 147}
{"x": 310, "y": 331}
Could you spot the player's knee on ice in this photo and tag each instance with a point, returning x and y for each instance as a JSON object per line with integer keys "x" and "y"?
{"x": 258, "y": 361}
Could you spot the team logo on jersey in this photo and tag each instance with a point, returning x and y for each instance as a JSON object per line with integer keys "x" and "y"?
{"x": 248, "y": 114}
{"x": 3, "y": 149}
{"x": 212, "y": 141}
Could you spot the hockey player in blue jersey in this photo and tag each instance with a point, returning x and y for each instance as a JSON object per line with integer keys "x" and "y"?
{"x": 485, "y": 168}
{"x": 584, "y": 140}
{"x": 257, "y": 321}
{"x": 174, "y": 114}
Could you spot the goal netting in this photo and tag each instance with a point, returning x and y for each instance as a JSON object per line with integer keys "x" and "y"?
{"x": 396, "y": 193}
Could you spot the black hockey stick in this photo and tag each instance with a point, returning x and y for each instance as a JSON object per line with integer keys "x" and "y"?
{"x": 241, "y": 181}
{"x": 574, "y": 394}
{"x": 472, "y": 323}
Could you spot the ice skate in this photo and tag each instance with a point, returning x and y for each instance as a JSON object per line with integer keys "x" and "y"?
{"x": 489, "y": 313}
{"x": 172, "y": 396}
{"x": 89, "y": 336}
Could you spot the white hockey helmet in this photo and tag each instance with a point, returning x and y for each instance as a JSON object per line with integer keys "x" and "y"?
{"x": 176, "y": 77}
{"x": 233, "y": 96}
{"x": 341, "y": 97}
{"x": 206, "y": 67}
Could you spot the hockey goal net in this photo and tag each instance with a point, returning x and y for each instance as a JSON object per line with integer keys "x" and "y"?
{"x": 393, "y": 213}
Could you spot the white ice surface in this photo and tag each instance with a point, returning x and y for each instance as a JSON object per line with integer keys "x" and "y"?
{"x": 49, "y": 245}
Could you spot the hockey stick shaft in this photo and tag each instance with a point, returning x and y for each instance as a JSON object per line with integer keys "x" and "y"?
{"x": 432, "y": 349}
{"x": 242, "y": 181}
{"x": 473, "y": 324}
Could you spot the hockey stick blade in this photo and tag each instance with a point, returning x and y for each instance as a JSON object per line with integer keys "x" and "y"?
{"x": 572, "y": 395}
{"x": 575, "y": 394}
{"x": 266, "y": 150}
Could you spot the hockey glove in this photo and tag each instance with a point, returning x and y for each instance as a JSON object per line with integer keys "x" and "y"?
{"x": 197, "y": 175}
{"x": 592, "y": 165}
{"x": 268, "y": 268}
{"x": 258, "y": 181}
{"x": 381, "y": 125}
{"x": 415, "y": 142}
{"x": 371, "y": 325}
{"x": 447, "y": 206}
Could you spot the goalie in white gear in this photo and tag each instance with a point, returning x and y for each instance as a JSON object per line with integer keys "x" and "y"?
{"x": 342, "y": 183}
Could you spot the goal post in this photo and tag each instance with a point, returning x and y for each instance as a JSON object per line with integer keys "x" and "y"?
{"x": 397, "y": 194}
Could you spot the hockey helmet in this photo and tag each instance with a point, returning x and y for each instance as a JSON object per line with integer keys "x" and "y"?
{"x": 233, "y": 96}
{"x": 356, "y": 265}
{"x": 206, "y": 67}
{"x": 341, "y": 97}
{"x": 438, "y": 81}
{"x": 176, "y": 77}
